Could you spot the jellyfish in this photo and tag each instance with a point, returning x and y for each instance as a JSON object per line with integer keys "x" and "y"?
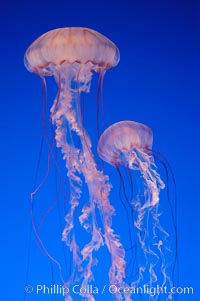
{"x": 128, "y": 144}
{"x": 72, "y": 55}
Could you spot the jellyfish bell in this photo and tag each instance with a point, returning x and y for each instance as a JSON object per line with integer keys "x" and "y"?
{"x": 72, "y": 45}
{"x": 121, "y": 138}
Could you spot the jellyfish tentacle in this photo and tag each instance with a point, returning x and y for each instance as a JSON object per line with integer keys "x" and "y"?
{"x": 152, "y": 185}
{"x": 81, "y": 162}
{"x": 62, "y": 114}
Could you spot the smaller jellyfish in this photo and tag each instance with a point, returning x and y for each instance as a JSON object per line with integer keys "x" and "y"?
{"x": 128, "y": 144}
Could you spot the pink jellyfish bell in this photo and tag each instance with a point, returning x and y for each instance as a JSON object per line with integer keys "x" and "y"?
{"x": 84, "y": 48}
{"x": 71, "y": 55}
{"x": 129, "y": 144}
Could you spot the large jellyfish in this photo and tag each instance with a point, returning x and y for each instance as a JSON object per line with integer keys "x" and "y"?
{"x": 128, "y": 144}
{"x": 71, "y": 55}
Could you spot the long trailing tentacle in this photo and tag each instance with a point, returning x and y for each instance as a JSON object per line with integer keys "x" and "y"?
{"x": 168, "y": 169}
{"x": 153, "y": 247}
{"x": 81, "y": 165}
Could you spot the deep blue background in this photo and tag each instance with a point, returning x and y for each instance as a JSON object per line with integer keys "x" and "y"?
{"x": 156, "y": 82}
